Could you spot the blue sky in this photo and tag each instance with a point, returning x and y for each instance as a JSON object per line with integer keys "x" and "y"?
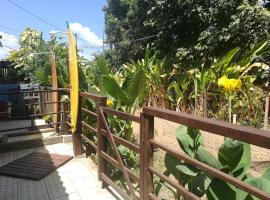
{"x": 85, "y": 16}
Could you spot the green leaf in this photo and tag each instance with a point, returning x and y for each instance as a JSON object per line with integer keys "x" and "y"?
{"x": 251, "y": 55}
{"x": 266, "y": 174}
{"x": 198, "y": 185}
{"x": 220, "y": 190}
{"x": 170, "y": 163}
{"x": 260, "y": 183}
{"x": 137, "y": 87}
{"x": 187, "y": 169}
{"x": 207, "y": 158}
{"x": 184, "y": 140}
{"x": 236, "y": 156}
{"x": 113, "y": 89}
{"x": 160, "y": 183}
{"x": 189, "y": 139}
{"x": 227, "y": 59}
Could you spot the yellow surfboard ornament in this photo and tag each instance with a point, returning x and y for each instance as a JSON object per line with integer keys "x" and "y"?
{"x": 74, "y": 81}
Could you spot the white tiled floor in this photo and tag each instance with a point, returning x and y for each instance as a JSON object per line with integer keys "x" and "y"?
{"x": 76, "y": 180}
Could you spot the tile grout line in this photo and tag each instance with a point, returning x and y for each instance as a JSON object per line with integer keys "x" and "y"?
{"x": 47, "y": 189}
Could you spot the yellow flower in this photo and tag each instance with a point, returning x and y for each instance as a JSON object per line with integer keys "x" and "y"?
{"x": 109, "y": 103}
{"x": 229, "y": 85}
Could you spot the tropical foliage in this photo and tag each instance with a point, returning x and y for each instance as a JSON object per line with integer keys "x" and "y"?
{"x": 234, "y": 158}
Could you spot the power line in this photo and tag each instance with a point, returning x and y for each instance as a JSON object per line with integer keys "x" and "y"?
{"x": 10, "y": 29}
{"x": 34, "y": 15}
{"x": 9, "y": 48}
{"x": 54, "y": 26}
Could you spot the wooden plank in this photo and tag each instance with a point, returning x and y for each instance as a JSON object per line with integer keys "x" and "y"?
{"x": 121, "y": 115}
{"x": 213, "y": 171}
{"x": 87, "y": 140}
{"x": 249, "y": 135}
{"x": 148, "y": 153}
{"x": 93, "y": 96}
{"x": 117, "y": 154}
{"x": 174, "y": 184}
{"x": 116, "y": 164}
{"x": 119, "y": 140}
{"x": 101, "y": 142}
{"x": 115, "y": 187}
{"x": 89, "y": 112}
{"x": 89, "y": 127}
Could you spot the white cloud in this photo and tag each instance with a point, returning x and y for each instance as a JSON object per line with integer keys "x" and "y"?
{"x": 89, "y": 42}
{"x": 10, "y": 41}
{"x": 85, "y": 33}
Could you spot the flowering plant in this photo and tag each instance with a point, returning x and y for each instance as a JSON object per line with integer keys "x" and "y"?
{"x": 229, "y": 85}
{"x": 109, "y": 103}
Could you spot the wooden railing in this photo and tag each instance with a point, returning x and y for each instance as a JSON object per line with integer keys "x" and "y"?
{"x": 45, "y": 108}
{"x": 147, "y": 144}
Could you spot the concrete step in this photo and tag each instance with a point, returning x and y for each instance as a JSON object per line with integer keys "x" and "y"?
{"x": 29, "y": 143}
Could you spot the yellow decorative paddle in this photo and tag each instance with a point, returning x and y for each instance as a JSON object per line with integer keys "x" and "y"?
{"x": 74, "y": 81}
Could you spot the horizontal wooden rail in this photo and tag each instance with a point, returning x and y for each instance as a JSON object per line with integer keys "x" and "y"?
{"x": 246, "y": 134}
{"x": 174, "y": 184}
{"x": 37, "y": 115}
{"x": 120, "y": 140}
{"x": 93, "y": 96}
{"x": 34, "y": 104}
{"x": 89, "y": 112}
{"x": 111, "y": 160}
{"x": 32, "y": 91}
{"x": 213, "y": 171}
{"x": 115, "y": 187}
{"x": 121, "y": 115}
{"x": 89, "y": 127}
{"x": 87, "y": 140}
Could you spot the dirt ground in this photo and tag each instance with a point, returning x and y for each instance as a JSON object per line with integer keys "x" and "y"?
{"x": 165, "y": 133}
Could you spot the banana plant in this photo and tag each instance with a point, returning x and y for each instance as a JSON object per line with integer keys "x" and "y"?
{"x": 234, "y": 158}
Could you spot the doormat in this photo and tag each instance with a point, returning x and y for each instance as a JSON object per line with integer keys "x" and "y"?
{"x": 34, "y": 166}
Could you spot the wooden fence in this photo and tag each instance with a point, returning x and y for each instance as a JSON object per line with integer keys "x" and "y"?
{"x": 102, "y": 130}
{"x": 34, "y": 106}
{"x": 147, "y": 144}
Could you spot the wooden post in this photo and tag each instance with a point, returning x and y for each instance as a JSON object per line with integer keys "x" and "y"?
{"x": 147, "y": 152}
{"x": 76, "y": 137}
{"x": 265, "y": 127}
{"x": 101, "y": 142}
{"x": 64, "y": 125}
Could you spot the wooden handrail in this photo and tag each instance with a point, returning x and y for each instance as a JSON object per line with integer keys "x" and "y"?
{"x": 174, "y": 184}
{"x": 30, "y": 91}
{"x": 111, "y": 160}
{"x": 122, "y": 141}
{"x": 121, "y": 115}
{"x": 93, "y": 96}
{"x": 249, "y": 135}
{"x": 119, "y": 159}
{"x": 87, "y": 140}
{"x": 89, "y": 112}
{"x": 89, "y": 127}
